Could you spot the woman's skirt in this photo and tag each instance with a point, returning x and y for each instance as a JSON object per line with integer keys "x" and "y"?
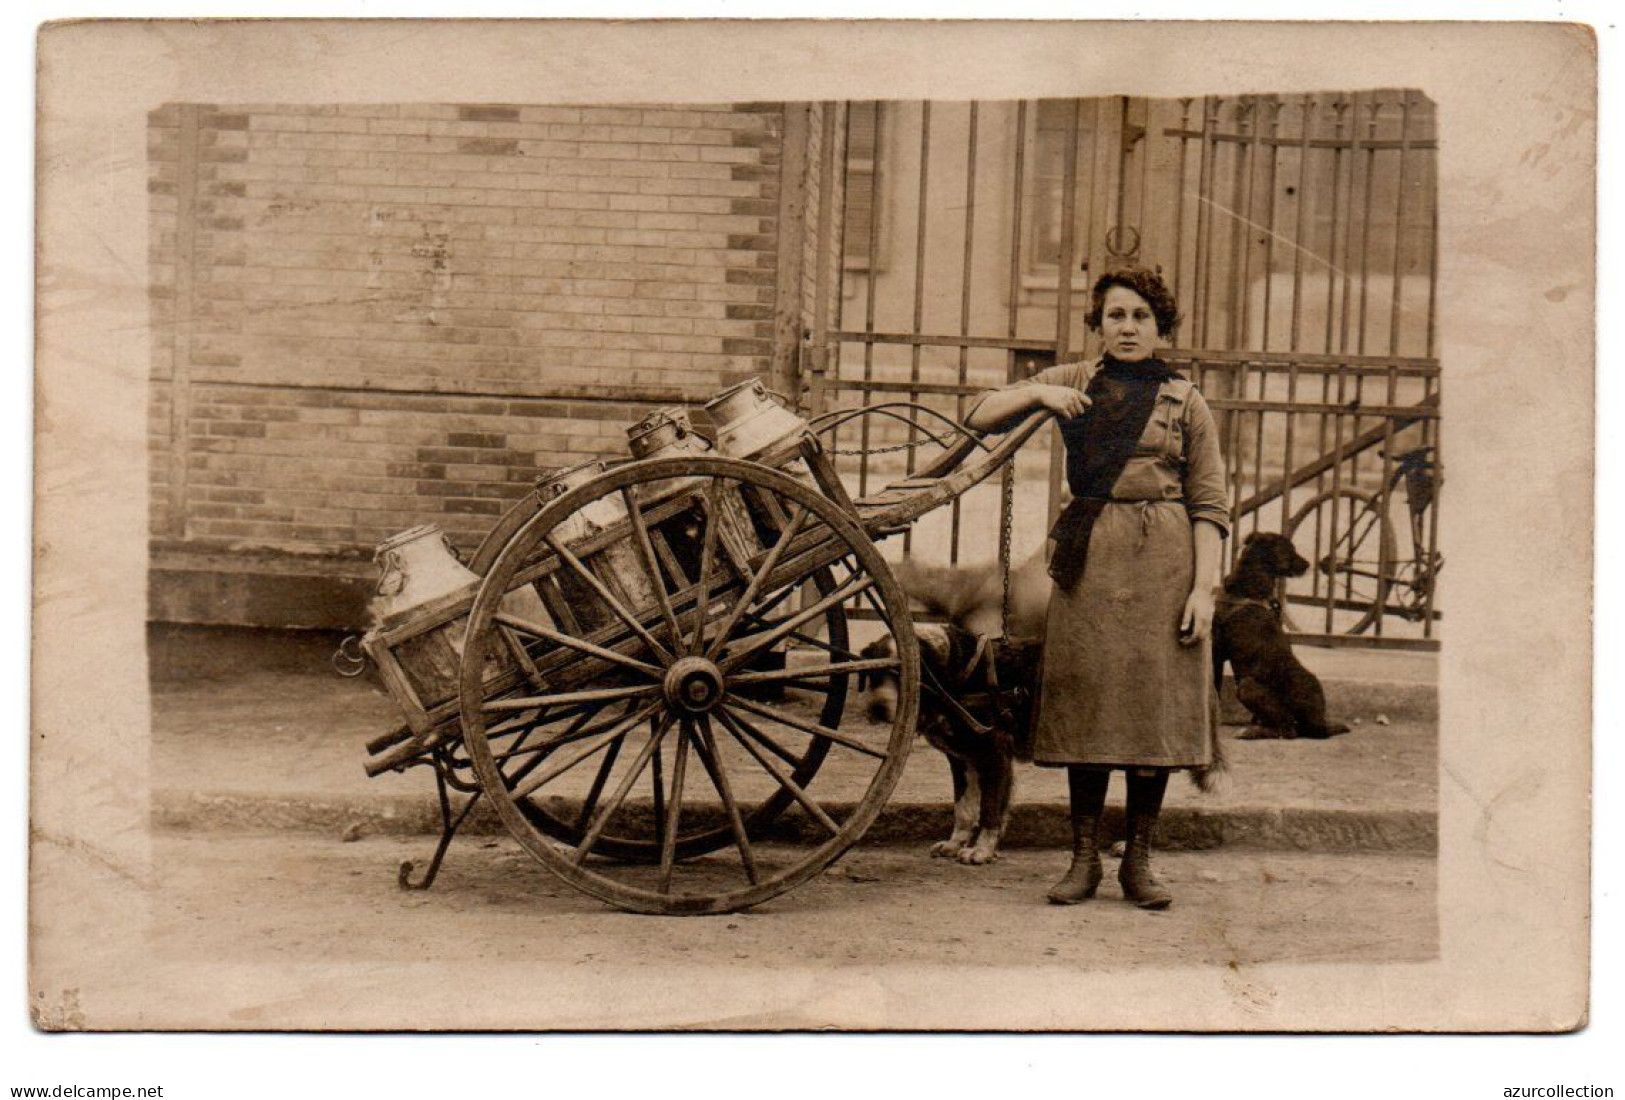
{"x": 1117, "y": 687}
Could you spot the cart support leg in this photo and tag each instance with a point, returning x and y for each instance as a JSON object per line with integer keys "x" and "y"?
{"x": 448, "y": 829}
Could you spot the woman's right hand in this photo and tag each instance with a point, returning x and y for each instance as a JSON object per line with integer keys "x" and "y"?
{"x": 1064, "y": 401}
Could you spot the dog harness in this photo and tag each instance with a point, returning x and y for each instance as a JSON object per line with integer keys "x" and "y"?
{"x": 1004, "y": 702}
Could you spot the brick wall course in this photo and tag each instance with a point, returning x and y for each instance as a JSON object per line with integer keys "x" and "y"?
{"x": 381, "y": 315}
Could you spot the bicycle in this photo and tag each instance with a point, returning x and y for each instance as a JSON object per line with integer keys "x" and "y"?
{"x": 1357, "y": 566}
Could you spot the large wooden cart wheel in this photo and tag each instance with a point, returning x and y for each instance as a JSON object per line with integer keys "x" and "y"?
{"x": 664, "y": 727}
{"x": 635, "y": 841}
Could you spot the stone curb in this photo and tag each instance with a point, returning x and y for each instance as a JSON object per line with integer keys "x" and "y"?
{"x": 1035, "y": 825}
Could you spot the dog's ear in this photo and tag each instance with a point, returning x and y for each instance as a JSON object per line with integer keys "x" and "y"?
{"x": 934, "y": 643}
{"x": 881, "y": 647}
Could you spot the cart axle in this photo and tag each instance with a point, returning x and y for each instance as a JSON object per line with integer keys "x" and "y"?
{"x": 693, "y": 685}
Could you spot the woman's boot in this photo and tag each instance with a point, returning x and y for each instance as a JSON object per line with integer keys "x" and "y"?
{"x": 1144, "y": 804}
{"x": 1087, "y": 787}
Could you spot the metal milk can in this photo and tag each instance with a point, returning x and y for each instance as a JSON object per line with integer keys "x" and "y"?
{"x": 418, "y": 567}
{"x": 667, "y": 433}
{"x": 750, "y": 424}
{"x": 619, "y": 566}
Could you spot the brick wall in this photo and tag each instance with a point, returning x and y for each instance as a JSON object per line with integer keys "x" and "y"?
{"x": 369, "y": 317}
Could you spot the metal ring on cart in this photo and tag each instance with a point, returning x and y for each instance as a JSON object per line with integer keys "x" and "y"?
{"x": 654, "y": 701}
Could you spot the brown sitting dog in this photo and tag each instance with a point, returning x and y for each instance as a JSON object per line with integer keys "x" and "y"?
{"x": 975, "y": 708}
{"x": 1285, "y": 698}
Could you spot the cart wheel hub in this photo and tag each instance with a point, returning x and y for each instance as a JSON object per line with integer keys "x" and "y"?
{"x": 693, "y": 685}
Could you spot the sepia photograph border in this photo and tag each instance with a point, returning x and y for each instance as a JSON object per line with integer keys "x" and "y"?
{"x": 1517, "y": 115}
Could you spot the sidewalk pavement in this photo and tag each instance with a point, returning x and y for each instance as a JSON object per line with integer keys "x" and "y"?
{"x": 258, "y": 733}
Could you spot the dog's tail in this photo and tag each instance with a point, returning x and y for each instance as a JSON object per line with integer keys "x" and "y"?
{"x": 947, "y": 590}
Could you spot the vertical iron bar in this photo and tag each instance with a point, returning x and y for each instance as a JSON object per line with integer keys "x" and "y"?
{"x": 919, "y": 289}
{"x": 1258, "y": 438}
{"x": 1063, "y": 287}
{"x": 1337, "y": 486}
{"x": 1333, "y": 273}
{"x": 1348, "y": 229}
{"x": 964, "y": 307}
{"x": 1068, "y": 256}
{"x": 1269, "y": 221}
{"x": 1244, "y": 226}
{"x": 1291, "y": 433}
{"x": 836, "y": 345}
{"x": 1374, "y": 109}
{"x": 1433, "y": 256}
{"x": 1202, "y": 279}
{"x": 1301, "y": 244}
{"x": 1179, "y": 199}
{"x": 1384, "y": 563}
{"x": 1240, "y": 234}
{"x": 1015, "y": 234}
{"x": 1008, "y": 473}
{"x": 822, "y": 245}
{"x": 869, "y": 287}
{"x": 1399, "y": 227}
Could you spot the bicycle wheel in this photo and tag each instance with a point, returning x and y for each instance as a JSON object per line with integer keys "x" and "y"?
{"x": 1346, "y": 537}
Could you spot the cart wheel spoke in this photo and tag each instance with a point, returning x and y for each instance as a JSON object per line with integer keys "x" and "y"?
{"x": 605, "y": 766}
{"x": 770, "y": 743}
{"x": 744, "y": 733}
{"x": 815, "y": 672}
{"x": 610, "y": 600}
{"x": 570, "y": 698}
{"x": 555, "y": 768}
{"x": 651, "y": 568}
{"x": 624, "y": 788}
{"x": 784, "y": 719}
{"x": 674, "y": 805}
{"x": 657, "y": 785}
{"x": 711, "y": 760}
{"x": 752, "y": 644}
{"x": 754, "y": 589}
{"x": 708, "y": 553}
{"x": 580, "y": 645}
{"x": 575, "y": 732}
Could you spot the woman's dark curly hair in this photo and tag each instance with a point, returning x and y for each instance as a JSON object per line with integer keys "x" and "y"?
{"x": 1144, "y": 282}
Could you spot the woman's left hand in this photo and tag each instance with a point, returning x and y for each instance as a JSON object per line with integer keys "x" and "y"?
{"x": 1197, "y": 622}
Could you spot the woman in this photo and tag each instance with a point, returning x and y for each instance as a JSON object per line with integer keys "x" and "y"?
{"x": 1127, "y": 680}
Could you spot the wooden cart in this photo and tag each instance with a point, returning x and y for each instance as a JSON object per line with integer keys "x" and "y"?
{"x": 645, "y": 740}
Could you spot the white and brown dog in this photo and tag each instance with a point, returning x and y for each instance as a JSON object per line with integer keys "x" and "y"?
{"x": 975, "y": 707}
{"x": 976, "y": 702}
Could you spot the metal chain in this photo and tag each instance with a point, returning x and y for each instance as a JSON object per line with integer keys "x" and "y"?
{"x": 1007, "y": 522}
{"x": 893, "y": 449}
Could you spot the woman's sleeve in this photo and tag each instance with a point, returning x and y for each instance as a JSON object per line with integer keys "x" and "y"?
{"x": 1062, "y": 374}
{"x": 1207, "y": 489}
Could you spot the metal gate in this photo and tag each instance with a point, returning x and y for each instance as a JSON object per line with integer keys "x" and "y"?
{"x": 1298, "y": 233}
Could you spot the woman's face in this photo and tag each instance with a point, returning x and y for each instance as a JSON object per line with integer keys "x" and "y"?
{"x": 1128, "y": 328}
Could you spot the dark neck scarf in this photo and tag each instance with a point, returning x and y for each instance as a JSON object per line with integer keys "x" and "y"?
{"x": 1098, "y": 445}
